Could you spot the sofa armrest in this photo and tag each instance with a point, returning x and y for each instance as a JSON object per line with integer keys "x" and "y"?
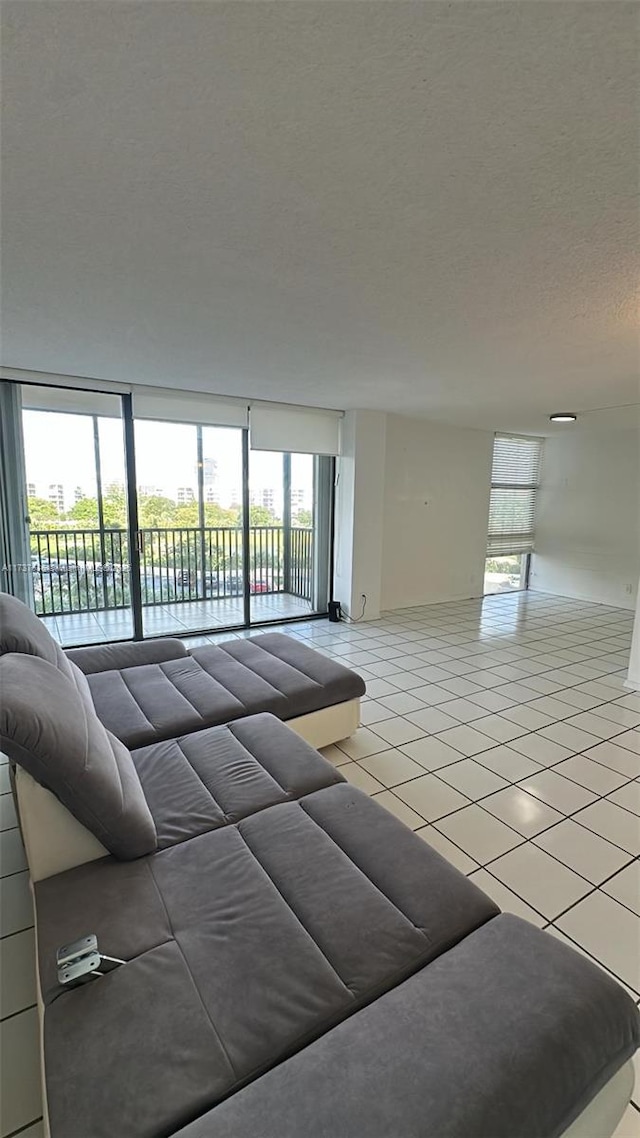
{"x": 109, "y": 657}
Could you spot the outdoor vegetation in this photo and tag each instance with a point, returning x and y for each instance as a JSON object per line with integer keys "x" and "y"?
{"x": 78, "y": 568}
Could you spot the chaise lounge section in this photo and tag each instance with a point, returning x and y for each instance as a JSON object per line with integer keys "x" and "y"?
{"x": 151, "y": 691}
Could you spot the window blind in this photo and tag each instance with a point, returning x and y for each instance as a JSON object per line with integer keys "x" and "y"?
{"x": 300, "y": 430}
{"x": 179, "y": 406}
{"x": 515, "y": 477}
{"x": 71, "y": 401}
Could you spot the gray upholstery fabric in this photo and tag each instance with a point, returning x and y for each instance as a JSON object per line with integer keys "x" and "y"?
{"x": 508, "y": 1035}
{"x": 106, "y": 657}
{"x": 243, "y": 943}
{"x": 215, "y": 684}
{"x": 47, "y": 728}
{"x": 160, "y": 701}
{"x": 22, "y": 631}
{"x": 308, "y": 680}
{"x": 218, "y": 776}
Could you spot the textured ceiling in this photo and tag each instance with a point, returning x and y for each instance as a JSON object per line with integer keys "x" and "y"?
{"x": 427, "y": 207}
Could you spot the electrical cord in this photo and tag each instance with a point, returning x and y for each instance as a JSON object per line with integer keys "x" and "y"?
{"x": 356, "y": 619}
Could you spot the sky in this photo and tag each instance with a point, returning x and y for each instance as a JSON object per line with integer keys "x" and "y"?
{"x": 59, "y": 448}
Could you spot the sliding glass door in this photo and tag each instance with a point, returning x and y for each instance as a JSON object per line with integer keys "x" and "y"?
{"x": 141, "y": 524}
{"x": 227, "y": 538}
{"x": 77, "y": 513}
{"x": 290, "y": 511}
{"x": 190, "y": 526}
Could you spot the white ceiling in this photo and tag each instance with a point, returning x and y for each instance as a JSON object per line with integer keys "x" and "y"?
{"x": 421, "y": 207}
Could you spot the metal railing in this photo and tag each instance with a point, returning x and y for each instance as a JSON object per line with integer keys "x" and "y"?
{"x": 76, "y": 571}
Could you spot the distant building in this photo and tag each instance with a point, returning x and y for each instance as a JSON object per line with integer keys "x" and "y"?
{"x": 209, "y": 470}
{"x": 56, "y": 495}
{"x": 300, "y": 500}
{"x": 149, "y": 491}
{"x": 264, "y": 496}
{"x": 210, "y": 481}
{"x": 31, "y": 490}
{"x": 185, "y": 495}
{"x": 78, "y": 494}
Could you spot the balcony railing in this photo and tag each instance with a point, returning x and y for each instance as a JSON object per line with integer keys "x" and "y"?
{"x": 77, "y": 571}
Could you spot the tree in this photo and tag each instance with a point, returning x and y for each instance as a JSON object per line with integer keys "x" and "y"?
{"x": 186, "y": 515}
{"x": 84, "y": 514}
{"x": 304, "y": 518}
{"x": 156, "y": 512}
{"x": 217, "y": 517}
{"x": 262, "y": 516}
{"x": 114, "y": 508}
{"x": 43, "y": 514}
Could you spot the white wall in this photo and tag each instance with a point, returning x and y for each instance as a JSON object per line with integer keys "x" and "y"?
{"x": 633, "y": 678}
{"x": 359, "y": 513}
{"x": 588, "y": 520}
{"x": 436, "y": 506}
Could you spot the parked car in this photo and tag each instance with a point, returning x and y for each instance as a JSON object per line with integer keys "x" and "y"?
{"x": 262, "y": 585}
{"x": 224, "y": 584}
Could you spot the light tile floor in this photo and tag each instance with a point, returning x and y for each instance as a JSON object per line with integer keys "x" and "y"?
{"x": 502, "y": 733}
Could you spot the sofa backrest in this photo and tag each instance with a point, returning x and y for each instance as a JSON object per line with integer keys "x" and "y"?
{"x": 47, "y": 728}
{"x": 22, "y": 631}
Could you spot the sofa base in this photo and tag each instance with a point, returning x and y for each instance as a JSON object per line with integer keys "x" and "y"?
{"x": 322, "y": 728}
{"x": 601, "y": 1117}
{"x": 54, "y": 840}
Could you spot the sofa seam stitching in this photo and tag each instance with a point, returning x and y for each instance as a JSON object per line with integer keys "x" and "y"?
{"x": 423, "y": 931}
{"x": 170, "y": 683}
{"x": 274, "y": 656}
{"x": 290, "y": 908}
{"x": 252, "y": 756}
{"x": 190, "y": 973}
{"x": 131, "y": 694}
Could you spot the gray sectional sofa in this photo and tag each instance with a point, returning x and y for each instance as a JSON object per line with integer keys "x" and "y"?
{"x": 296, "y": 961}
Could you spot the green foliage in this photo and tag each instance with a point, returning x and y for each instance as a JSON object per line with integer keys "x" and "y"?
{"x": 84, "y": 514}
{"x": 156, "y": 512}
{"x": 114, "y": 508}
{"x": 215, "y": 515}
{"x": 509, "y": 565}
{"x": 43, "y": 514}
{"x": 304, "y": 518}
{"x": 262, "y": 516}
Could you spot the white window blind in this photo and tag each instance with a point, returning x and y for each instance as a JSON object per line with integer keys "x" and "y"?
{"x": 71, "y": 401}
{"x": 189, "y": 407}
{"x": 299, "y": 430}
{"x": 515, "y": 477}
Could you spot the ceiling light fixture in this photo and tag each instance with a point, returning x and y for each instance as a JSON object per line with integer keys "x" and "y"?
{"x": 563, "y": 417}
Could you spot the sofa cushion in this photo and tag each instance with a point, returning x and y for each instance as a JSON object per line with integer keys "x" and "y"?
{"x": 106, "y": 657}
{"x": 215, "y": 684}
{"x": 22, "y": 631}
{"x": 307, "y": 680}
{"x": 510, "y": 1033}
{"x": 217, "y": 776}
{"x": 47, "y": 728}
{"x": 243, "y": 944}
